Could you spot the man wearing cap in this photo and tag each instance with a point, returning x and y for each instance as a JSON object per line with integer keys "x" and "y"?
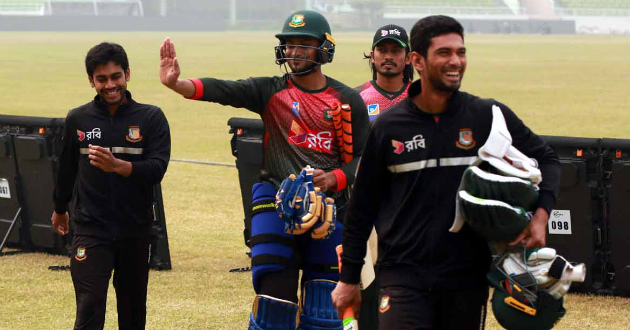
{"x": 300, "y": 124}
{"x": 392, "y": 74}
{"x": 391, "y": 70}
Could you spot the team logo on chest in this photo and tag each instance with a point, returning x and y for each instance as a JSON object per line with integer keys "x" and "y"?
{"x": 399, "y": 147}
{"x": 134, "y": 134}
{"x": 315, "y": 140}
{"x": 373, "y": 110}
{"x": 327, "y": 118}
{"x": 91, "y": 135}
{"x": 417, "y": 142}
{"x": 295, "y": 108}
{"x": 466, "y": 140}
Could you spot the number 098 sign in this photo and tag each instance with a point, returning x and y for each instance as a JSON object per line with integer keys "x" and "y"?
{"x": 560, "y": 222}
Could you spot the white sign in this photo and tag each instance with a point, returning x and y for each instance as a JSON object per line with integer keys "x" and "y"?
{"x": 4, "y": 188}
{"x": 560, "y": 222}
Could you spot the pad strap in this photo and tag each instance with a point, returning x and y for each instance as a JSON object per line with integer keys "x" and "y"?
{"x": 266, "y": 259}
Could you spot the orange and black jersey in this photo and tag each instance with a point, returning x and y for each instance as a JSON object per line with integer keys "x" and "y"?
{"x": 299, "y": 123}
{"x": 107, "y": 205}
{"x": 406, "y": 186}
{"x": 378, "y": 100}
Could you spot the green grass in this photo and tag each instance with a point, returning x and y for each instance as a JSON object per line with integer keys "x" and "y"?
{"x": 559, "y": 85}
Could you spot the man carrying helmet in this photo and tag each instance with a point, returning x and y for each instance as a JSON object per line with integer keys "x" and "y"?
{"x": 300, "y": 111}
{"x": 411, "y": 170}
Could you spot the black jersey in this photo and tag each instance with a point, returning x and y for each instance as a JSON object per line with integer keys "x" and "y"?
{"x": 407, "y": 182}
{"x": 298, "y": 122}
{"x": 108, "y": 205}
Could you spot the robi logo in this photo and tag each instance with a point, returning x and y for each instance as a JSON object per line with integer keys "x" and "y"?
{"x": 399, "y": 147}
{"x": 81, "y": 135}
{"x": 319, "y": 141}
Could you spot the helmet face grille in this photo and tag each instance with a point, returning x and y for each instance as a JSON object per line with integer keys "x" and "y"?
{"x": 517, "y": 302}
{"x": 324, "y": 55}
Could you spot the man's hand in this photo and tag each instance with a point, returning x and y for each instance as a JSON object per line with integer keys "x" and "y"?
{"x": 169, "y": 67}
{"x": 60, "y": 223}
{"x": 346, "y": 295}
{"x": 102, "y": 158}
{"x": 534, "y": 235}
{"x": 169, "y": 71}
{"x": 324, "y": 180}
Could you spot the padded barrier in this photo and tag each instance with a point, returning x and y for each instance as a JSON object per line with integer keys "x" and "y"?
{"x": 617, "y": 177}
{"x": 29, "y": 151}
{"x": 576, "y": 224}
{"x": 247, "y": 147}
{"x": 9, "y": 203}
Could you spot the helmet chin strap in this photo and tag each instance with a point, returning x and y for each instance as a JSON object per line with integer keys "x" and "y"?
{"x": 305, "y": 72}
{"x": 310, "y": 69}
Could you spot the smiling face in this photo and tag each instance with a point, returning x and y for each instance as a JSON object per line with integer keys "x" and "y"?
{"x": 389, "y": 58}
{"x": 301, "y": 52}
{"x": 445, "y": 63}
{"x": 110, "y": 82}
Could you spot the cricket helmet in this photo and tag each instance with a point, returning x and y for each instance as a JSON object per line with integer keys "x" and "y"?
{"x": 529, "y": 288}
{"x": 307, "y": 23}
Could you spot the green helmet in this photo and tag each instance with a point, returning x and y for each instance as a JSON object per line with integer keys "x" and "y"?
{"x": 307, "y": 23}
{"x": 521, "y": 301}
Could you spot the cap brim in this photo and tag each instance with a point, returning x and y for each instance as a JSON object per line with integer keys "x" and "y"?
{"x": 402, "y": 43}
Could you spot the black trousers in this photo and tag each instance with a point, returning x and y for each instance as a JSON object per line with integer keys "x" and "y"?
{"x": 403, "y": 308}
{"x": 91, "y": 267}
{"x": 368, "y": 316}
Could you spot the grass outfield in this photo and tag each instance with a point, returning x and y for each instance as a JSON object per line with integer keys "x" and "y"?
{"x": 559, "y": 85}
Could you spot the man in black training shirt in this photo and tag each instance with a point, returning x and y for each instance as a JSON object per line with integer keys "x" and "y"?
{"x": 409, "y": 175}
{"x": 115, "y": 149}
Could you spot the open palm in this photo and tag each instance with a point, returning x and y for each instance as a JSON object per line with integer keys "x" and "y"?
{"x": 169, "y": 67}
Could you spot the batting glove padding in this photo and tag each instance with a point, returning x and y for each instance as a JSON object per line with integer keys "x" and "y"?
{"x": 302, "y": 206}
{"x": 553, "y": 273}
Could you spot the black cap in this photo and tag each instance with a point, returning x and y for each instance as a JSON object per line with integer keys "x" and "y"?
{"x": 391, "y": 32}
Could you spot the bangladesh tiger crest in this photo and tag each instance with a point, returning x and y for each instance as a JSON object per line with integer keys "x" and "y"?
{"x": 134, "y": 134}
{"x": 81, "y": 255}
{"x": 466, "y": 140}
{"x": 384, "y": 305}
{"x": 297, "y": 21}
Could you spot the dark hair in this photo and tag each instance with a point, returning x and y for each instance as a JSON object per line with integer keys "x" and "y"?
{"x": 104, "y": 53}
{"x": 432, "y": 26}
{"x": 407, "y": 72}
